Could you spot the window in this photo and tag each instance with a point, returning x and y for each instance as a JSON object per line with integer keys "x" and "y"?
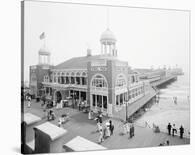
{"x": 99, "y": 81}
{"x": 105, "y": 102}
{"x": 94, "y": 100}
{"x": 120, "y": 82}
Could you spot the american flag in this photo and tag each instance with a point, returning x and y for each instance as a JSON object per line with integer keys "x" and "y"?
{"x": 42, "y": 36}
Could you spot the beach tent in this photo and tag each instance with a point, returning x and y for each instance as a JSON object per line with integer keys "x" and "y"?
{"x": 81, "y": 144}
{"x": 48, "y": 138}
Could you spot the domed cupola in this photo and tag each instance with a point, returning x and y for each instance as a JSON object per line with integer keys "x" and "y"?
{"x": 108, "y": 36}
{"x": 44, "y": 56}
{"x": 108, "y": 43}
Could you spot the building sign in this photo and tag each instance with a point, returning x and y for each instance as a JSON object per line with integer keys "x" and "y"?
{"x": 121, "y": 64}
{"x": 99, "y": 68}
{"x": 98, "y": 63}
{"x": 120, "y": 69}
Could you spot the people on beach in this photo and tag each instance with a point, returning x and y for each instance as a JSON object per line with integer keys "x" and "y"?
{"x": 169, "y": 126}
{"x": 181, "y": 130}
{"x": 174, "y": 130}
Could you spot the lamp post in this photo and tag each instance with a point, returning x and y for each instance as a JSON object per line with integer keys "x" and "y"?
{"x": 73, "y": 98}
{"x": 126, "y": 101}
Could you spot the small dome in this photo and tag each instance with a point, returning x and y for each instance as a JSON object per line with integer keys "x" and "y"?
{"x": 44, "y": 51}
{"x": 107, "y": 36}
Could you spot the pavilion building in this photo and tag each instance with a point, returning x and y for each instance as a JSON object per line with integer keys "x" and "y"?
{"x": 106, "y": 83}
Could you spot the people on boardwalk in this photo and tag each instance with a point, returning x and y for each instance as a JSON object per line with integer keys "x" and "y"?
{"x": 169, "y": 126}
{"x": 51, "y": 115}
{"x": 100, "y": 117}
{"x": 111, "y": 127}
{"x": 29, "y": 101}
{"x": 101, "y": 138}
{"x": 174, "y": 130}
{"x": 124, "y": 128}
{"x": 181, "y": 130}
{"x": 90, "y": 115}
{"x": 107, "y": 130}
{"x": 175, "y": 100}
{"x": 165, "y": 143}
{"x": 98, "y": 125}
{"x": 131, "y": 131}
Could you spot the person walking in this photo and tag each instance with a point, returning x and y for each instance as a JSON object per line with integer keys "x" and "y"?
{"x": 169, "y": 128}
{"x": 101, "y": 139}
{"x": 181, "y": 129}
{"x": 124, "y": 128}
{"x": 98, "y": 126}
{"x": 132, "y": 129}
{"x": 29, "y": 101}
{"x": 174, "y": 130}
{"x": 111, "y": 127}
{"x": 100, "y": 117}
{"x": 107, "y": 127}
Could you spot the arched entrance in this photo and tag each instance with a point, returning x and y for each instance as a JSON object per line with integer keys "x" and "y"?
{"x": 58, "y": 96}
{"x": 99, "y": 93}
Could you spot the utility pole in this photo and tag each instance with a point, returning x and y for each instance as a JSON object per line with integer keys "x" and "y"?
{"x": 126, "y": 104}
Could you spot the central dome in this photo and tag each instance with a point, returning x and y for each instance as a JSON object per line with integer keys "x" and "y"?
{"x": 107, "y": 36}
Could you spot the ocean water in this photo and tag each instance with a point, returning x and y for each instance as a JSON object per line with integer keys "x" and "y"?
{"x": 166, "y": 110}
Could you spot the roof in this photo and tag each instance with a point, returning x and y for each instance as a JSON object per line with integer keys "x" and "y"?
{"x": 79, "y": 62}
{"x": 52, "y": 130}
{"x": 30, "y": 118}
{"x": 81, "y": 144}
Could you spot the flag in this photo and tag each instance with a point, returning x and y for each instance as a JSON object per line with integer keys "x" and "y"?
{"x": 42, "y": 36}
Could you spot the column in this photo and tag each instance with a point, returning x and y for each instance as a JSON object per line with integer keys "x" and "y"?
{"x": 123, "y": 98}
{"x": 102, "y": 103}
{"x": 105, "y": 50}
{"x": 39, "y": 59}
{"x": 64, "y": 80}
{"x": 48, "y": 59}
{"x": 101, "y": 48}
{"x": 81, "y": 83}
{"x": 75, "y": 82}
{"x": 79, "y": 96}
{"x": 110, "y": 49}
{"x": 95, "y": 101}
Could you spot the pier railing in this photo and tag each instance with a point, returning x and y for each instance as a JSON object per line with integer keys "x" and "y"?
{"x": 163, "y": 129}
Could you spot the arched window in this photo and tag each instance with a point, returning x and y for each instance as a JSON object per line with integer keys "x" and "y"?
{"x": 99, "y": 81}
{"x": 120, "y": 81}
{"x": 46, "y": 78}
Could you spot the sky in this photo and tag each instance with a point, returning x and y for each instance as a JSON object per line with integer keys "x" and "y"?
{"x": 145, "y": 37}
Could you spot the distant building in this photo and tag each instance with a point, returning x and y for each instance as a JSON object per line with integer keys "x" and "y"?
{"x": 105, "y": 82}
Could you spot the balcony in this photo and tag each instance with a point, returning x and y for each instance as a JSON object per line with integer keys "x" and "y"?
{"x": 58, "y": 85}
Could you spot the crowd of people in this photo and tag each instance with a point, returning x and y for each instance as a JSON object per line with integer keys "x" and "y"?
{"x": 105, "y": 129}
{"x": 128, "y": 128}
{"x": 173, "y": 130}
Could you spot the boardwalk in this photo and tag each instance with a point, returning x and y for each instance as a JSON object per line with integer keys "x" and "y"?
{"x": 132, "y": 108}
{"x": 162, "y": 81}
{"x": 80, "y": 125}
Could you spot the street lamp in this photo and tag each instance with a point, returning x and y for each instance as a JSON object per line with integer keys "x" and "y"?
{"x": 73, "y": 98}
{"x": 126, "y": 101}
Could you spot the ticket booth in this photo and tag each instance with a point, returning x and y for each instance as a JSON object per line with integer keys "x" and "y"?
{"x": 48, "y": 138}
{"x": 81, "y": 144}
{"x": 27, "y": 132}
